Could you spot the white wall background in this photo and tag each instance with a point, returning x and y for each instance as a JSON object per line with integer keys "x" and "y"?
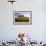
{"x": 9, "y": 31}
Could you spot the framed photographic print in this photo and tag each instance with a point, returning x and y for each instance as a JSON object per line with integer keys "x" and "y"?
{"x": 22, "y": 17}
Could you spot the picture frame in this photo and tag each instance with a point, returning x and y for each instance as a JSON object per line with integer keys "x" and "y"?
{"x": 22, "y": 17}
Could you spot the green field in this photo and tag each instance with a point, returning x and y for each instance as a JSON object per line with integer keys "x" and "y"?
{"x": 22, "y": 19}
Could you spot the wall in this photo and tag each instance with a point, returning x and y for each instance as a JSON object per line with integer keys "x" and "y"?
{"x": 9, "y": 31}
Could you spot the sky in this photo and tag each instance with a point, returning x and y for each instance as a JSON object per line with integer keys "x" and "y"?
{"x": 22, "y": 13}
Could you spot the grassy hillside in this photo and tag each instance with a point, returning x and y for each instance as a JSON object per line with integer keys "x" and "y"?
{"x": 22, "y": 19}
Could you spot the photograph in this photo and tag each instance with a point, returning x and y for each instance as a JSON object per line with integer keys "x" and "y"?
{"x": 22, "y": 17}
